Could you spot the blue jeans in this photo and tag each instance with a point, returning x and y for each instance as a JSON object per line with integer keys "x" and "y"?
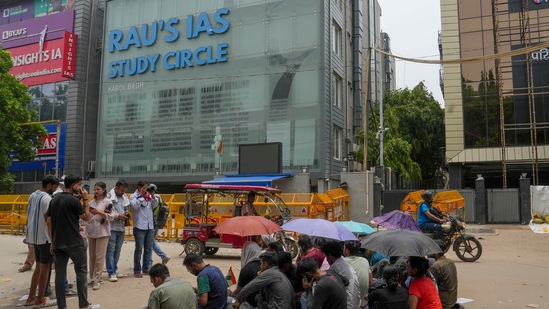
{"x": 156, "y": 247}
{"x": 78, "y": 255}
{"x": 113, "y": 251}
{"x": 144, "y": 240}
{"x": 432, "y": 227}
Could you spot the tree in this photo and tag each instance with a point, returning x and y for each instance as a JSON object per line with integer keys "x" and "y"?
{"x": 415, "y": 142}
{"x": 18, "y": 140}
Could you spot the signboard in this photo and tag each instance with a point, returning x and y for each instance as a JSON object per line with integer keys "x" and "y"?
{"x": 47, "y": 154}
{"x": 36, "y": 65}
{"x": 48, "y": 7}
{"x": 36, "y": 30}
{"x": 16, "y": 11}
{"x": 517, "y": 5}
{"x": 69, "y": 55}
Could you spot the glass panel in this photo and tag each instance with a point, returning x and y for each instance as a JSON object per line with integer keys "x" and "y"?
{"x": 471, "y": 44}
{"x": 468, "y": 9}
{"x": 470, "y": 25}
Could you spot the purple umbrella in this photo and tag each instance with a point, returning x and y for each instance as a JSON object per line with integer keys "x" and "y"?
{"x": 319, "y": 228}
{"x": 397, "y": 220}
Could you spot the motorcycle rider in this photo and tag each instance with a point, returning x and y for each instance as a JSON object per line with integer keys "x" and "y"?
{"x": 426, "y": 220}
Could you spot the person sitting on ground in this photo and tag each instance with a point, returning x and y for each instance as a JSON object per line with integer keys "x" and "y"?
{"x": 422, "y": 291}
{"x": 250, "y": 260}
{"x": 211, "y": 289}
{"x": 352, "y": 254}
{"x": 272, "y": 283}
{"x": 289, "y": 270}
{"x": 308, "y": 251}
{"x": 445, "y": 273}
{"x": 169, "y": 293}
{"x": 334, "y": 254}
{"x": 275, "y": 247}
{"x": 391, "y": 295}
{"x": 329, "y": 291}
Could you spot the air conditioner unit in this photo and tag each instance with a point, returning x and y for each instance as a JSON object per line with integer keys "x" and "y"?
{"x": 91, "y": 167}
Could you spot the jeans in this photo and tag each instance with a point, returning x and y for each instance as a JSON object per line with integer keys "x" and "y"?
{"x": 113, "y": 251}
{"x": 78, "y": 255}
{"x": 156, "y": 248}
{"x": 144, "y": 240}
{"x": 432, "y": 227}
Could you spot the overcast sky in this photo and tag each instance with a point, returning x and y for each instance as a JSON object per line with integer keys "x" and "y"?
{"x": 413, "y": 28}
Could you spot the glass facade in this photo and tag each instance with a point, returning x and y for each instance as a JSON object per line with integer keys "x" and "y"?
{"x": 252, "y": 73}
{"x": 485, "y": 30}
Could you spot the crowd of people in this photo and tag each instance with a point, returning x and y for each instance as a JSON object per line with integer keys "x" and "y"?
{"x": 327, "y": 274}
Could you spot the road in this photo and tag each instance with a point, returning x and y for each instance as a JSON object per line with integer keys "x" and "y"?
{"x": 512, "y": 273}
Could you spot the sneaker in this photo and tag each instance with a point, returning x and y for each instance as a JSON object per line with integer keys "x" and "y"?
{"x": 24, "y": 269}
{"x": 90, "y": 283}
{"x": 113, "y": 278}
{"x": 70, "y": 293}
{"x": 166, "y": 260}
{"x": 119, "y": 275}
{"x": 96, "y": 286}
{"x": 138, "y": 275}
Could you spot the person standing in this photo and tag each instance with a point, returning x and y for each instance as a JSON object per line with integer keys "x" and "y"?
{"x": 444, "y": 272}
{"x": 98, "y": 230}
{"x": 211, "y": 289}
{"x": 329, "y": 291}
{"x": 160, "y": 219}
{"x": 169, "y": 293}
{"x": 248, "y": 208}
{"x": 63, "y": 216}
{"x": 38, "y": 237}
{"x": 351, "y": 251}
{"x": 120, "y": 203}
{"x": 142, "y": 203}
{"x": 29, "y": 261}
{"x": 270, "y": 282}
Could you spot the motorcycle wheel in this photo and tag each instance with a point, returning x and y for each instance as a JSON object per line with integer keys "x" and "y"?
{"x": 291, "y": 247}
{"x": 469, "y": 250}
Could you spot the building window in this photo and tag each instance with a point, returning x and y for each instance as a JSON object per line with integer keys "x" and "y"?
{"x": 337, "y": 91}
{"x": 337, "y": 39}
{"x": 337, "y": 140}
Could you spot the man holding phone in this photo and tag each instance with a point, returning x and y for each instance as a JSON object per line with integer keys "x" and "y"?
{"x": 142, "y": 203}
{"x": 63, "y": 215}
{"x": 329, "y": 291}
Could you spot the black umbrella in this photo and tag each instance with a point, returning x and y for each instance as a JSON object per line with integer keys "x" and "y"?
{"x": 400, "y": 243}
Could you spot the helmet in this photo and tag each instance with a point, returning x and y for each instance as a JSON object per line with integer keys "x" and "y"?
{"x": 427, "y": 195}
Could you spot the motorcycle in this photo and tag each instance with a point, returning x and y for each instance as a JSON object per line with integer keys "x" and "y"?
{"x": 466, "y": 247}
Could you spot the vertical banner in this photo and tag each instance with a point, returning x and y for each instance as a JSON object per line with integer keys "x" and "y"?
{"x": 69, "y": 52}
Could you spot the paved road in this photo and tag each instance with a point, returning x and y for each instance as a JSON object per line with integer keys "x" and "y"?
{"x": 513, "y": 272}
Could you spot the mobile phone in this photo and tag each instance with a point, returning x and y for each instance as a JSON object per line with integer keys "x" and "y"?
{"x": 308, "y": 276}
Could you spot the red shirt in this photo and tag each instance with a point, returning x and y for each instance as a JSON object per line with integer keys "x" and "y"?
{"x": 425, "y": 289}
{"x": 316, "y": 254}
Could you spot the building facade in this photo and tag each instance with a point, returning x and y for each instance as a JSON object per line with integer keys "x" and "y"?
{"x": 184, "y": 83}
{"x": 53, "y": 47}
{"x": 496, "y": 110}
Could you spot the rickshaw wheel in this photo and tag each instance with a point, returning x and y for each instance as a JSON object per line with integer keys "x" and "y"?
{"x": 210, "y": 250}
{"x": 194, "y": 245}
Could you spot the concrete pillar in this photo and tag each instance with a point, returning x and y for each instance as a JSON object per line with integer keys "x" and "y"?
{"x": 481, "y": 210}
{"x": 378, "y": 194}
{"x": 454, "y": 171}
{"x": 361, "y": 194}
{"x": 525, "y": 201}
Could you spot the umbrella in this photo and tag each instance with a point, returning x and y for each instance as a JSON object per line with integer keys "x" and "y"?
{"x": 397, "y": 220}
{"x": 357, "y": 227}
{"x": 319, "y": 228}
{"x": 400, "y": 243}
{"x": 247, "y": 226}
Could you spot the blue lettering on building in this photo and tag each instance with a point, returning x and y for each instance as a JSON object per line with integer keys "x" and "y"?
{"x": 146, "y": 35}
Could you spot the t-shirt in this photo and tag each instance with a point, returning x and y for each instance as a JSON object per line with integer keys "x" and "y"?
{"x": 172, "y": 294}
{"x": 210, "y": 280}
{"x": 329, "y": 293}
{"x": 445, "y": 273}
{"x": 247, "y": 274}
{"x": 424, "y": 288}
{"x": 421, "y": 217}
{"x": 316, "y": 254}
{"x": 385, "y": 298}
{"x": 37, "y": 229}
{"x": 64, "y": 211}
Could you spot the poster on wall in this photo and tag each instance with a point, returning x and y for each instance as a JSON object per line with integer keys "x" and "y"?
{"x": 36, "y": 30}
{"x": 15, "y": 11}
{"x": 46, "y": 156}
{"x": 49, "y": 7}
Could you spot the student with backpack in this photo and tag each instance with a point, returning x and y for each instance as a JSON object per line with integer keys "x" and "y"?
{"x": 160, "y": 218}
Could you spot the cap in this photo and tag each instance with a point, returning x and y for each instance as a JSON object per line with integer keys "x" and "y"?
{"x": 153, "y": 187}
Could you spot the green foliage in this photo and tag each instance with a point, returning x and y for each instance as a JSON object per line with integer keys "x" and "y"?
{"x": 414, "y": 144}
{"x": 23, "y": 139}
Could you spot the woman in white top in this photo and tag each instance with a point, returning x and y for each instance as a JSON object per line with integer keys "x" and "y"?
{"x": 98, "y": 231}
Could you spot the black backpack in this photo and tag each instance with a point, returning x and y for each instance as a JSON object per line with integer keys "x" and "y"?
{"x": 162, "y": 214}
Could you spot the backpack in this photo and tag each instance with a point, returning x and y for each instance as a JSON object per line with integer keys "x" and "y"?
{"x": 162, "y": 213}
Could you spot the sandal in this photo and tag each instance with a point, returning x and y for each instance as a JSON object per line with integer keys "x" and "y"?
{"x": 47, "y": 303}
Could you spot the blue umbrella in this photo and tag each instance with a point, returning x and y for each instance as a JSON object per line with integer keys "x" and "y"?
{"x": 357, "y": 227}
{"x": 319, "y": 228}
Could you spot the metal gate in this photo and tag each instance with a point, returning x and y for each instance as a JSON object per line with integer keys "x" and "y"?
{"x": 470, "y": 209}
{"x": 503, "y": 206}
